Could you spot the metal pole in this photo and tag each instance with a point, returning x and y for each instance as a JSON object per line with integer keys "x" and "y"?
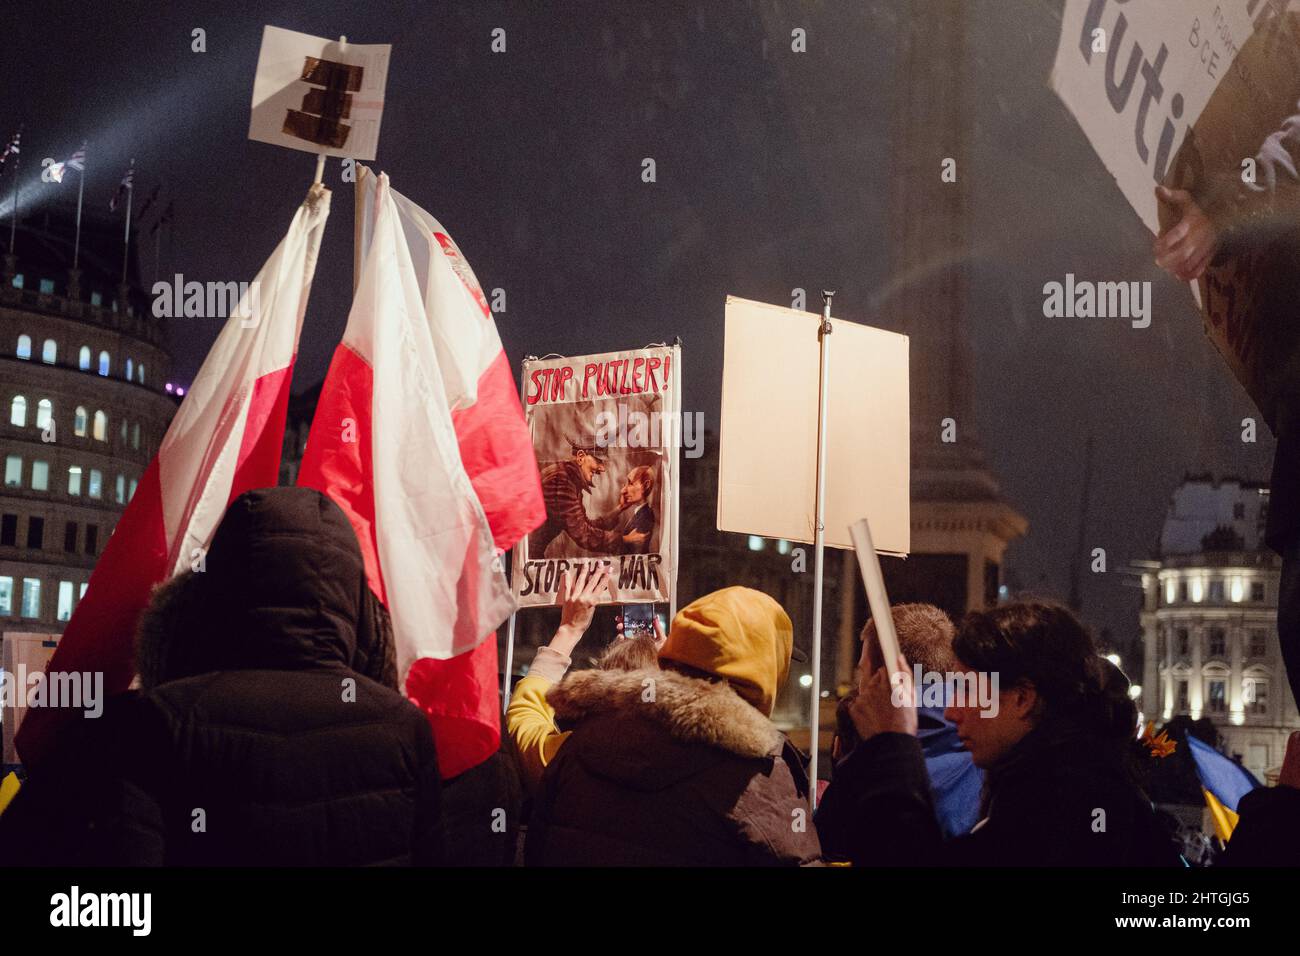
{"x": 13, "y": 216}
{"x": 510, "y": 662}
{"x": 677, "y": 480}
{"x": 130, "y": 201}
{"x": 819, "y": 544}
{"x": 81, "y": 190}
{"x": 510, "y": 630}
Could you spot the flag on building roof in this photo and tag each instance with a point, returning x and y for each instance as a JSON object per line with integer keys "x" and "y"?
{"x": 123, "y": 188}
{"x": 78, "y": 160}
{"x": 11, "y": 146}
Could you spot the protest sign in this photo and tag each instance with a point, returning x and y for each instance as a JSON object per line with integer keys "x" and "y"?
{"x": 768, "y": 457}
{"x": 605, "y": 429}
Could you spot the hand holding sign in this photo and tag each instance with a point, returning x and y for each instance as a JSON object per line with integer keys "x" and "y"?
{"x": 885, "y": 703}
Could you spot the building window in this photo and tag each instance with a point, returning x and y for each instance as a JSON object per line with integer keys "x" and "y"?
{"x": 139, "y": 373}
{"x": 1182, "y": 592}
{"x": 13, "y": 471}
{"x": 1258, "y": 642}
{"x": 1181, "y": 689}
{"x": 130, "y": 369}
{"x": 1217, "y": 692}
{"x": 1182, "y": 637}
{"x": 9, "y": 530}
{"x": 135, "y": 435}
{"x": 81, "y": 593}
{"x": 36, "y": 533}
{"x": 31, "y": 598}
{"x": 120, "y": 490}
{"x": 24, "y": 345}
{"x": 18, "y": 412}
{"x": 1257, "y": 591}
{"x": 6, "y": 596}
{"x": 122, "y": 432}
{"x": 1216, "y": 591}
{"x": 83, "y": 358}
{"x": 50, "y": 352}
{"x": 756, "y": 542}
{"x": 47, "y": 287}
{"x": 103, "y": 363}
{"x": 70, "y": 537}
{"x": 1254, "y": 693}
{"x": 1218, "y": 642}
{"x": 101, "y": 426}
{"x": 96, "y": 299}
{"x": 130, "y": 492}
{"x": 41, "y": 475}
{"x": 74, "y": 479}
{"x": 1161, "y": 646}
{"x": 65, "y": 601}
{"x": 96, "y": 483}
{"x": 44, "y": 412}
{"x": 92, "y": 538}
{"x": 79, "y": 421}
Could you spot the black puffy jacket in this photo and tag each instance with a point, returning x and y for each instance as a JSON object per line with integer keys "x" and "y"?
{"x": 260, "y": 744}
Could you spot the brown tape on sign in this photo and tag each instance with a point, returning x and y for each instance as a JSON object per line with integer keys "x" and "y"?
{"x": 332, "y": 74}
{"x": 320, "y": 130}
{"x": 322, "y": 109}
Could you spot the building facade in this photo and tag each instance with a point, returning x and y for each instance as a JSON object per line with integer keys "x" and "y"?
{"x": 1209, "y": 622}
{"x": 83, "y": 408}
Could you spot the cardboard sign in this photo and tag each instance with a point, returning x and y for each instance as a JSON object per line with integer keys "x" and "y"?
{"x": 605, "y": 430}
{"x": 315, "y": 95}
{"x": 768, "y": 460}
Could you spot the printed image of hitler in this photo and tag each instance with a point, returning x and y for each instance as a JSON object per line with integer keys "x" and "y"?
{"x": 570, "y": 531}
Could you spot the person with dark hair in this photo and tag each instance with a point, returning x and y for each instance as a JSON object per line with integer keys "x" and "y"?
{"x": 925, "y": 636}
{"x": 1052, "y": 743}
{"x": 268, "y": 729}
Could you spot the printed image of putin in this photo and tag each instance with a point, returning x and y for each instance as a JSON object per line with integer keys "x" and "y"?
{"x": 568, "y": 528}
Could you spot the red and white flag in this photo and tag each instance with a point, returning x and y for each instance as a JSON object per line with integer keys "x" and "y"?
{"x": 420, "y": 438}
{"x": 225, "y": 439}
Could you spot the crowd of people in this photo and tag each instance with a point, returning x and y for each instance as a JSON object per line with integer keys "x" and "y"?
{"x": 267, "y": 728}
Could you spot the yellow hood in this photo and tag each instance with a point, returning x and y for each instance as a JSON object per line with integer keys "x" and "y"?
{"x": 738, "y": 634}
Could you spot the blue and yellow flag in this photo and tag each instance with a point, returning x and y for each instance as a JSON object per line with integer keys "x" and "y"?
{"x": 1223, "y": 781}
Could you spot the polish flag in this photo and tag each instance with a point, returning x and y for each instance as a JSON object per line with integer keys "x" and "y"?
{"x": 428, "y": 454}
{"x": 495, "y": 448}
{"x": 225, "y": 440}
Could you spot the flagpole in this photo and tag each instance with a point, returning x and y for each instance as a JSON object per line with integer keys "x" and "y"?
{"x": 81, "y": 189}
{"x": 126, "y": 246}
{"x": 13, "y": 217}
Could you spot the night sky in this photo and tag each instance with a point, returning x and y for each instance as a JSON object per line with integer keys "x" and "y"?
{"x": 772, "y": 174}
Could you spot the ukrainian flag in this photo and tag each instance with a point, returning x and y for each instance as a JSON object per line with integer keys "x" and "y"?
{"x": 1223, "y": 781}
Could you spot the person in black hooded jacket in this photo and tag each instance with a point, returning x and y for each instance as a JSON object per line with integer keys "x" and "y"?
{"x": 268, "y": 729}
{"x": 1057, "y": 789}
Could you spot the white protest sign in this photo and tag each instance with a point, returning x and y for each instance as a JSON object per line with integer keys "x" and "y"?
{"x": 767, "y": 469}
{"x": 319, "y": 95}
{"x": 1136, "y": 75}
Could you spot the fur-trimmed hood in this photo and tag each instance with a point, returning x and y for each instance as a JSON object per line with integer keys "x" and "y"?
{"x": 691, "y": 710}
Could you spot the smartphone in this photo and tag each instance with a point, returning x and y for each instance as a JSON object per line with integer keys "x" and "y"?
{"x": 638, "y": 619}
